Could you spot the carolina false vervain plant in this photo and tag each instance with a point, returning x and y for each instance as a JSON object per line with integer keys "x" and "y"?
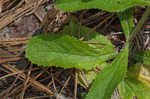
{"x": 67, "y": 51}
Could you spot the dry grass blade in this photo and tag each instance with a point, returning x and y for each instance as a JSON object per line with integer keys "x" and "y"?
{"x": 5, "y": 94}
{"x": 75, "y": 84}
{"x": 16, "y": 12}
{"x": 11, "y": 74}
{"x": 65, "y": 84}
{"x": 97, "y": 26}
{"x": 9, "y": 59}
{"x": 26, "y": 82}
{"x": 11, "y": 49}
{"x": 39, "y": 97}
{"x": 36, "y": 84}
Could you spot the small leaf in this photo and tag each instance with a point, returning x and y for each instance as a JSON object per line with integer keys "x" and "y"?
{"x": 131, "y": 87}
{"x": 109, "y": 78}
{"x": 101, "y": 44}
{"x": 73, "y": 30}
{"x": 141, "y": 72}
{"x": 136, "y": 83}
{"x": 108, "y": 5}
{"x": 94, "y": 40}
{"x": 87, "y": 77}
{"x": 63, "y": 51}
{"x": 142, "y": 56}
{"x": 126, "y": 19}
{"x": 125, "y": 91}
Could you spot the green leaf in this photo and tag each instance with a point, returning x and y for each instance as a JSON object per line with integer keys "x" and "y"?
{"x": 142, "y": 56}
{"x": 140, "y": 72}
{"x": 136, "y": 83}
{"x": 125, "y": 91}
{"x": 108, "y": 5}
{"x": 86, "y": 78}
{"x": 75, "y": 30}
{"x": 63, "y": 51}
{"x": 94, "y": 40}
{"x": 101, "y": 44}
{"x": 126, "y": 19}
{"x": 109, "y": 78}
{"x": 131, "y": 87}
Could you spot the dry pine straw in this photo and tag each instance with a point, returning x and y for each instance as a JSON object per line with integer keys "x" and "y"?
{"x": 26, "y": 76}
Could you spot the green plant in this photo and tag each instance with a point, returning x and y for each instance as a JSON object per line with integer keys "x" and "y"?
{"x": 67, "y": 51}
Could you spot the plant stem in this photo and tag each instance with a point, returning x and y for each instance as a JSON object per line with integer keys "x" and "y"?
{"x": 140, "y": 24}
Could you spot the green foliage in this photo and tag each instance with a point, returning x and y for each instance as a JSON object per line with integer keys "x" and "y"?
{"x": 64, "y": 51}
{"x": 86, "y": 77}
{"x": 109, "y": 78}
{"x": 67, "y": 51}
{"x": 85, "y": 0}
{"x": 73, "y": 30}
{"x": 126, "y": 19}
{"x": 94, "y": 40}
{"x": 134, "y": 84}
{"x": 142, "y": 56}
{"x": 108, "y": 5}
{"x": 131, "y": 87}
{"x": 140, "y": 72}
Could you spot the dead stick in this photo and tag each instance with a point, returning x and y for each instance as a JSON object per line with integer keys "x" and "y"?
{"x": 75, "y": 84}
{"x": 34, "y": 83}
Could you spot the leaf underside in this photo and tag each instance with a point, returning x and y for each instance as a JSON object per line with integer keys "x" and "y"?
{"x": 63, "y": 51}
{"x": 108, "y": 5}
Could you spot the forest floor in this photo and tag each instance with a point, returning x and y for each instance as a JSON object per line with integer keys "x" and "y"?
{"x": 19, "y": 21}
